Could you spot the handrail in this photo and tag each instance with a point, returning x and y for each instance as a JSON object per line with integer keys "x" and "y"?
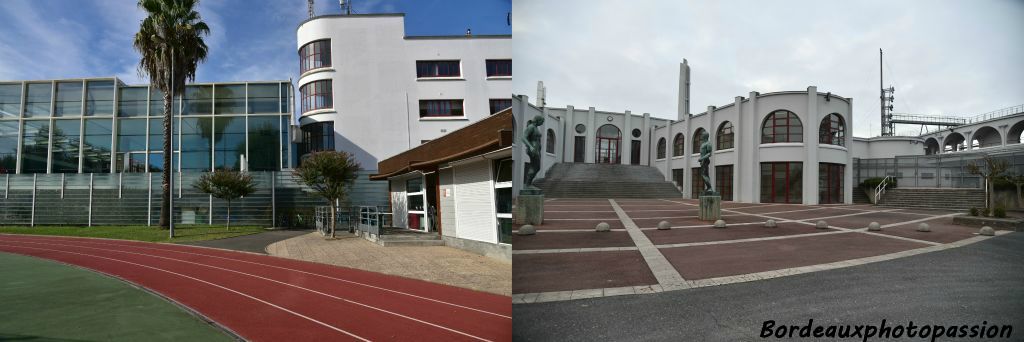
{"x": 985, "y": 117}
{"x": 880, "y": 188}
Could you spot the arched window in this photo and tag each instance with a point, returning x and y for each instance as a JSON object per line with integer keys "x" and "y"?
{"x": 696, "y": 140}
{"x": 677, "y": 145}
{"x": 832, "y": 130}
{"x": 661, "y": 148}
{"x": 608, "y": 139}
{"x": 781, "y": 126}
{"x": 550, "y": 147}
{"x": 725, "y": 137}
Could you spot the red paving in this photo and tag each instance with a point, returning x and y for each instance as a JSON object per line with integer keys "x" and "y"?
{"x": 566, "y": 240}
{"x": 263, "y": 298}
{"x": 654, "y": 213}
{"x": 689, "y": 235}
{"x": 694, "y": 221}
{"x": 943, "y": 231}
{"x": 710, "y": 261}
{"x": 554, "y": 216}
{"x": 572, "y": 271}
{"x": 861, "y": 221}
{"x": 814, "y": 214}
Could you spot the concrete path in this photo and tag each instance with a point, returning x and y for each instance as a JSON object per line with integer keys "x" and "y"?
{"x": 443, "y": 265}
{"x": 977, "y": 284}
{"x": 256, "y": 243}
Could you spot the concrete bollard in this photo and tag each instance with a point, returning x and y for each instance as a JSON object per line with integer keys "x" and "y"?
{"x": 923, "y": 227}
{"x": 527, "y": 229}
{"x": 987, "y": 231}
{"x": 821, "y": 225}
{"x": 874, "y": 226}
{"x": 664, "y": 225}
{"x": 603, "y": 227}
{"x": 770, "y": 224}
{"x": 720, "y": 224}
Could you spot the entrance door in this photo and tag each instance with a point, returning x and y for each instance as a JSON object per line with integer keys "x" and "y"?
{"x": 608, "y": 138}
{"x": 634, "y": 155}
{"x": 579, "y": 149}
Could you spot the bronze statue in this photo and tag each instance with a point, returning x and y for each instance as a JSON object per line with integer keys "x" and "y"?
{"x": 531, "y": 139}
{"x": 705, "y": 163}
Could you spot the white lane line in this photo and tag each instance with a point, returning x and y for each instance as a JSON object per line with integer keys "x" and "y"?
{"x": 574, "y": 250}
{"x": 788, "y": 211}
{"x": 579, "y": 211}
{"x": 767, "y": 238}
{"x": 293, "y": 270}
{"x": 663, "y": 271}
{"x": 201, "y": 281}
{"x": 267, "y": 279}
{"x": 580, "y": 219}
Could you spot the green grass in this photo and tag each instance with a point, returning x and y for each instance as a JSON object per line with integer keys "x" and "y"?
{"x": 138, "y": 233}
{"x": 48, "y": 301}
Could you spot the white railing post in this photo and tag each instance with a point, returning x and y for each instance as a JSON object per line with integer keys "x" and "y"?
{"x": 210, "y": 213}
{"x": 120, "y": 181}
{"x": 149, "y": 200}
{"x": 273, "y": 198}
{"x": 62, "y": 183}
{"x": 32, "y": 219}
{"x": 90, "y": 197}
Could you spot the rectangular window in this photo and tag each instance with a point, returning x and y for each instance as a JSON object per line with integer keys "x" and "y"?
{"x": 198, "y": 100}
{"x": 498, "y": 105}
{"x": 263, "y": 98}
{"x": 503, "y": 198}
{"x": 499, "y": 67}
{"x": 37, "y": 100}
{"x": 317, "y": 137}
{"x": 229, "y": 142}
{"x": 131, "y": 135}
{"x": 69, "y": 99}
{"x": 696, "y": 183}
{"x": 317, "y": 95}
{"x": 316, "y": 54}
{"x": 782, "y": 182}
{"x": 438, "y": 69}
{"x": 10, "y": 100}
{"x": 131, "y": 101}
{"x": 723, "y": 181}
{"x": 830, "y": 183}
{"x": 264, "y": 144}
{"x": 66, "y": 141}
{"x": 195, "y": 143}
{"x": 8, "y": 146}
{"x": 156, "y": 103}
{"x": 286, "y": 95}
{"x": 34, "y": 146}
{"x": 99, "y": 98}
{"x": 440, "y": 108}
{"x": 96, "y": 149}
{"x": 229, "y": 99}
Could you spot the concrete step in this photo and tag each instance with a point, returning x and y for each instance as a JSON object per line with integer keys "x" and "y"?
{"x": 409, "y": 243}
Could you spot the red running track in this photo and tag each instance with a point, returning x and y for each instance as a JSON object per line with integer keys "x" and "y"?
{"x": 264, "y": 298}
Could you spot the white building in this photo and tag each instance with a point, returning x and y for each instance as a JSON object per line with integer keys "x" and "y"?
{"x": 369, "y": 89}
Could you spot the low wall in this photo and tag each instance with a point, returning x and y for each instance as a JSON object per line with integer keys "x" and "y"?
{"x": 499, "y": 252}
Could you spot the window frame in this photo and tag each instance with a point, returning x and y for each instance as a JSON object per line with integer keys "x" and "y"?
{"x": 317, "y": 58}
{"x": 832, "y": 130}
{"x": 434, "y": 108}
{"x": 322, "y": 96}
{"x": 787, "y": 128}
{"x": 498, "y": 105}
{"x": 695, "y": 149}
{"x": 549, "y": 143}
{"x": 498, "y": 67}
{"x": 661, "y": 149}
{"x": 725, "y": 140}
{"x": 679, "y": 145}
{"x": 430, "y": 69}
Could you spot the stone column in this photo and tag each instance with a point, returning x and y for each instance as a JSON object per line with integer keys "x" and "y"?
{"x": 810, "y": 122}
{"x": 751, "y": 176}
{"x": 626, "y": 144}
{"x": 645, "y": 140}
{"x": 591, "y": 136}
{"x": 570, "y": 135}
{"x": 668, "y": 151}
{"x": 738, "y": 148}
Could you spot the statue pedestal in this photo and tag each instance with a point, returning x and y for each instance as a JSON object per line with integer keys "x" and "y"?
{"x": 529, "y": 207}
{"x": 710, "y": 207}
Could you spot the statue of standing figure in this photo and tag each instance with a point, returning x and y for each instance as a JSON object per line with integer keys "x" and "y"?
{"x": 705, "y": 163}
{"x": 531, "y": 138}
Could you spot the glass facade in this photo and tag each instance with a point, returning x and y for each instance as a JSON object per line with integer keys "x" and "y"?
{"x": 317, "y": 137}
{"x": 69, "y": 126}
{"x": 782, "y": 182}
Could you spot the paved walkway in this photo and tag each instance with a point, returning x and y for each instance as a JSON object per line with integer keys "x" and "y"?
{"x": 442, "y": 265}
{"x": 972, "y": 285}
{"x": 568, "y": 260}
{"x": 256, "y": 243}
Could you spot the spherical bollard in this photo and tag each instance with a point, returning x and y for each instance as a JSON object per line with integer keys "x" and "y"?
{"x": 720, "y": 224}
{"x": 874, "y": 226}
{"x": 923, "y": 227}
{"x": 770, "y": 224}
{"x": 987, "y": 231}
{"x": 663, "y": 225}
{"x": 821, "y": 225}
{"x": 603, "y": 227}
{"x": 527, "y": 230}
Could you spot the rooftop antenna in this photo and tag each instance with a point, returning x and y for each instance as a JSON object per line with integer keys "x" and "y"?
{"x": 346, "y": 7}
{"x": 309, "y": 5}
{"x": 886, "y": 110}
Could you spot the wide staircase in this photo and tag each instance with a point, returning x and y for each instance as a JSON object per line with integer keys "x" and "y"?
{"x": 860, "y": 196}
{"x": 959, "y": 199}
{"x": 577, "y": 180}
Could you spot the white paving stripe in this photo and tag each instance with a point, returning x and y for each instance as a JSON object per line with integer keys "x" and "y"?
{"x": 767, "y": 238}
{"x": 574, "y": 250}
{"x": 569, "y": 230}
{"x": 666, "y": 274}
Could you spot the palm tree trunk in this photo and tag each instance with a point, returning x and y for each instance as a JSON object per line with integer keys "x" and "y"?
{"x": 165, "y": 210}
{"x": 333, "y": 210}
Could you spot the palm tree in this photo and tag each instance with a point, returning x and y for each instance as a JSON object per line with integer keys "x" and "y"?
{"x": 170, "y": 40}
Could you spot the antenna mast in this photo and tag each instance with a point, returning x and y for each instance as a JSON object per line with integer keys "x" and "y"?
{"x": 309, "y": 5}
{"x": 346, "y": 6}
{"x": 885, "y": 101}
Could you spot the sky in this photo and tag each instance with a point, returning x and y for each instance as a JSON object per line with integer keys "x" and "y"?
{"x": 944, "y": 57}
{"x": 250, "y": 39}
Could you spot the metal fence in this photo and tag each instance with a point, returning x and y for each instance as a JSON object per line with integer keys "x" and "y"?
{"x": 933, "y": 171}
{"x": 134, "y": 199}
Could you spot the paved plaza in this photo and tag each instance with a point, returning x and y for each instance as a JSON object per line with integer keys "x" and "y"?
{"x": 567, "y": 260}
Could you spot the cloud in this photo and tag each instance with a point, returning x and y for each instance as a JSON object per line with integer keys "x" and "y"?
{"x": 943, "y": 57}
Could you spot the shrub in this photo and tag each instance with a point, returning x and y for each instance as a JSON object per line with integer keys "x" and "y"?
{"x": 872, "y": 183}
{"x": 973, "y": 212}
{"x": 999, "y": 212}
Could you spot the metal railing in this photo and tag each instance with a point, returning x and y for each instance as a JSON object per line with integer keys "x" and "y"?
{"x": 984, "y": 117}
{"x": 880, "y": 188}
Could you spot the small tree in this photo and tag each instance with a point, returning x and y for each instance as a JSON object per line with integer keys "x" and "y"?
{"x": 330, "y": 174}
{"x": 1018, "y": 180}
{"x": 991, "y": 170}
{"x": 226, "y": 185}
